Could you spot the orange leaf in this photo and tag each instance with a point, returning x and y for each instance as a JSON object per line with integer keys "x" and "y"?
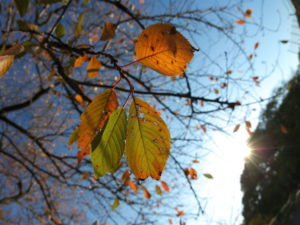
{"x": 162, "y": 48}
{"x": 249, "y": 132}
{"x": 248, "y": 124}
{"x": 202, "y": 103}
{"x": 165, "y": 186}
{"x": 195, "y": 161}
{"x": 147, "y": 195}
{"x": 193, "y": 174}
{"x": 237, "y": 127}
{"x": 80, "y": 60}
{"x": 133, "y": 186}
{"x": 93, "y": 119}
{"x": 256, "y": 45}
{"x": 240, "y": 22}
{"x": 203, "y": 128}
{"x": 170, "y": 222}
{"x": 250, "y": 56}
{"x": 125, "y": 177}
{"x": 197, "y": 127}
{"x": 93, "y": 67}
{"x": 179, "y": 212}
{"x": 228, "y": 72}
{"x": 248, "y": 13}
{"x": 283, "y": 129}
{"x": 108, "y": 31}
{"x": 79, "y": 99}
{"x": 84, "y": 175}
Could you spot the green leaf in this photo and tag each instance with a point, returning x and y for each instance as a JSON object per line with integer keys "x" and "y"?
{"x": 60, "y": 30}
{"x": 158, "y": 190}
{"x": 108, "y": 146}
{"x": 74, "y": 136}
{"x": 148, "y": 141}
{"x": 115, "y": 204}
{"x": 207, "y": 175}
{"x": 22, "y": 6}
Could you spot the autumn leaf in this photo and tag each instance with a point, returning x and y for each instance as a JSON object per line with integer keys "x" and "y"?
{"x": 179, "y": 212}
{"x": 148, "y": 141}
{"x": 228, "y": 72}
{"x": 115, "y": 204}
{"x": 147, "y": 195}
{"x": 240, "y": 22}
{"x": 84, "y": 175}
{"x": 73, "y": 138}
{"x": 80, "y": 60}
{"x": 162, "y": 48}
{"x": 108, "y": 146}
{"x": 125, "y": 177}
{"x": 207, "y": 175}
{"x": 248, "y": 13}
{"x": 195, "y": 161}
{"x": 193, "y": 174}
{"x": 236, "y": 128}
{"x": 93, "y": 67}
{"x": 93, "y": 119}
{"x": 108, "y": 31}
{"x": 158, "y": 190}
{"x": 170, "y": 222}
{"x": 7, "y": 58}
{"x": 186, "y": 171}
{"x": 133, "y": 186}
{"x": 60, "y": 30}
{"x": 248, "y": 124}
{"x": 283, "y": 129}
{"x": 256, "y": 45}
{"x": 165, "y": 186}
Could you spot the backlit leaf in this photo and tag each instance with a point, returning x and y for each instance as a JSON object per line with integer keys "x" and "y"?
{"x": 108, "y": 146}
{"x": 207, "y": 175}
{"x": 193, "y": 174}
{"x": 133, "y": 186}
{"x": 80, "y": 60}
{"x": 179, "y": 212}
{"x": 73, "y": 138}
{"x": 165, "y": 186}
{"x": 115, "y": 204}
{"x": 283, "y": 129}
{"x": 60, "y": 30}
{"x": 195, "y": 161}
{"x": 7, "y": 57}
{"x": 79, "y": 99}
{"x": 240, "y": 22}
{"x": 22, "y": 6}
{"x": 147, "y": 195}
{"x": 108, "y": 31}
{"x": 93, "y": 67}
{"x": 236, "y": 128}
{"x": 93, "y": 119}
{"x": 248, "y": 124}
{"x": 125, "y": 177}
{"x": 162, "y": 48}
{"x": 170, "y": 222}
{"x": 79, "y": 27}
{"x": 158, "y": 190}
{"x": 256, "y": 45}
{"x": 148, "y": 141}
{"x": 248, "y": 13}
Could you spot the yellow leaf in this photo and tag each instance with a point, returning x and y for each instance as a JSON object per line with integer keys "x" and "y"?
{"x": 162, "y": 48}
{"x": 7, "y": 58}
{"x": 148, "y": 141}
{"x": 108, "y": 31}
{"x": 79, "y": 99}
{"x": 80, "y": 60}
{"x": 93, "y": 119}
{"x": 93, "y": 67}
{"x": 5, "y": 63}
{"x": 115, "y": 204}
{"x": 158, "y": 190}
{"x": 73, "y": 138}
{"x": 207, "y": 175}
{"x": 146, "y": 193}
